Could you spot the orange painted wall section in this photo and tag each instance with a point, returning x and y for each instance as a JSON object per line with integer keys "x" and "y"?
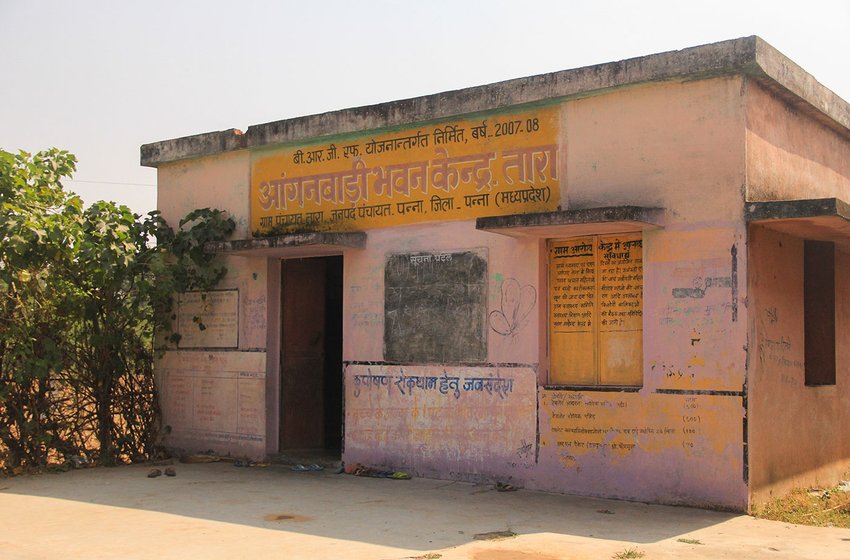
{"x": 498, "y": 164}
{"x": 683, "y": 449}
{"x": 596, "y": 310}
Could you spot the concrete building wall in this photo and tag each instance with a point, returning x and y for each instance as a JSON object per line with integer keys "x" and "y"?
{"x": 665, "y": 144}
{"x": 453, "y": 433}
{"x": 790, "y": 155}
{"x": 213, "y": 394}
{"x": 679, "y": 437}
{"x": 617, "y": 151}
{"x": 798, "y": 433}
{"x": 713, "y": 411}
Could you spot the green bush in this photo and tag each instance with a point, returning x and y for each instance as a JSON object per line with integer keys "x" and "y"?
{"x": 82, "y": 291}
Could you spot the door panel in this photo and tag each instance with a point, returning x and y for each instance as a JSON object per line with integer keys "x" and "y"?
{"x": 302, "y": 353}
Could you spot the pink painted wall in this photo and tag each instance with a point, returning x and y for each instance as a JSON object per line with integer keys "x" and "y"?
{"x": 462, "y": 423}
{"x": 213, "y": 400}
{"x": 363, "y": 299}
{"x": 679, "y": 438}
{"x": 668, "y": 448}
{"x": 217, "y": 403}
{"x": 219, "y": 181}
{"x": 790, "y": 155}
{"x": 798, "y": 434}
{"x": 696, "y": 149}
{"x": 678, "y": 146}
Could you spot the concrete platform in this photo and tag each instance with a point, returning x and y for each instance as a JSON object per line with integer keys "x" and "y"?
{"x": 220, "y": 511}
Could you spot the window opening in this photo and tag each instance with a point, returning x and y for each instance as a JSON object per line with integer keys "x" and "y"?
{"x": 819, "y": 311}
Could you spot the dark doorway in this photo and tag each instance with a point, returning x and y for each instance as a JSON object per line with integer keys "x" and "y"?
{"x": 311, "y": 355}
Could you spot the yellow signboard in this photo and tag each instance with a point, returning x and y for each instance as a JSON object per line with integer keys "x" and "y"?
{"x": 495, "y": 165}
{"x": 596, "y": 310}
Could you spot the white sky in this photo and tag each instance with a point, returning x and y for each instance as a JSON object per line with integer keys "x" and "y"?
{"x": 100, "y": 78}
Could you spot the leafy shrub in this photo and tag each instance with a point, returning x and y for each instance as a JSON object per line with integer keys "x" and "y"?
{"x": 82, "y": 292}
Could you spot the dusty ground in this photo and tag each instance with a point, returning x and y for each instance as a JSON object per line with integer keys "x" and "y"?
{"x": 219, "y": 511}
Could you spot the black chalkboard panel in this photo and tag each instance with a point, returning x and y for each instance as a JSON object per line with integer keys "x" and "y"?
{"x": 435, "y": 307}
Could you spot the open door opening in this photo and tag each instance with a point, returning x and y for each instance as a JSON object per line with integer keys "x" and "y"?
{"x": 311, "y": 358}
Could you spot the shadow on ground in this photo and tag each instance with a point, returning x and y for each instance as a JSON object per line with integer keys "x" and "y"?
{"x": 419, "y": 514}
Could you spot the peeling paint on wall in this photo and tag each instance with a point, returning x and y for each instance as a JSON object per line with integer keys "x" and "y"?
{"x": 215, "y": 399}
{"x": 470, "y": 423}
{"x": 660, "y": 447}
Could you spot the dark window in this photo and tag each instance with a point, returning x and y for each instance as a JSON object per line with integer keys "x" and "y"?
{"x": 819, "y": 311}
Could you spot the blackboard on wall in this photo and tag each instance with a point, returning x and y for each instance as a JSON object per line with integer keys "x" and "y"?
{"x": 435, "y": 307}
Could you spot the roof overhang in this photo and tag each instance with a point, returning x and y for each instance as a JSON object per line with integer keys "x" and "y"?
{"x": 748, "y": 56}
{"x": 292, "y": 245}
{"x": 821, "y": 219}
{"x": 571, "y": 223}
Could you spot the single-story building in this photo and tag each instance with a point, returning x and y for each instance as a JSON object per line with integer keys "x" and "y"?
{"x": 629, "y": 280}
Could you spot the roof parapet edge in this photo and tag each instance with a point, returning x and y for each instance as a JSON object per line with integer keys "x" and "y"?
{"x": 784, "y": 72}
{"x": 573, "y": 216}
{"x": 750, "y": 56}
{"x": 186, "y": 147}
{"x": 795, "y": 209}
{"x": 349, "y": 239}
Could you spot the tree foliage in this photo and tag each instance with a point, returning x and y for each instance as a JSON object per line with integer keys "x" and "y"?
{"x": 82, "y": 292}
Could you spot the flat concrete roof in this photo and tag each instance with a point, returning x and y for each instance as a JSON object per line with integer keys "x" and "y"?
{"x": 820, "y": 219}
{"x": 581, "y": 221}
{"x": 749, "y": 56}
{"x": 291, "y": 245}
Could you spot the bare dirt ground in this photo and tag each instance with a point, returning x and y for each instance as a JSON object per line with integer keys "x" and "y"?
{"x": 217, "y": 510}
